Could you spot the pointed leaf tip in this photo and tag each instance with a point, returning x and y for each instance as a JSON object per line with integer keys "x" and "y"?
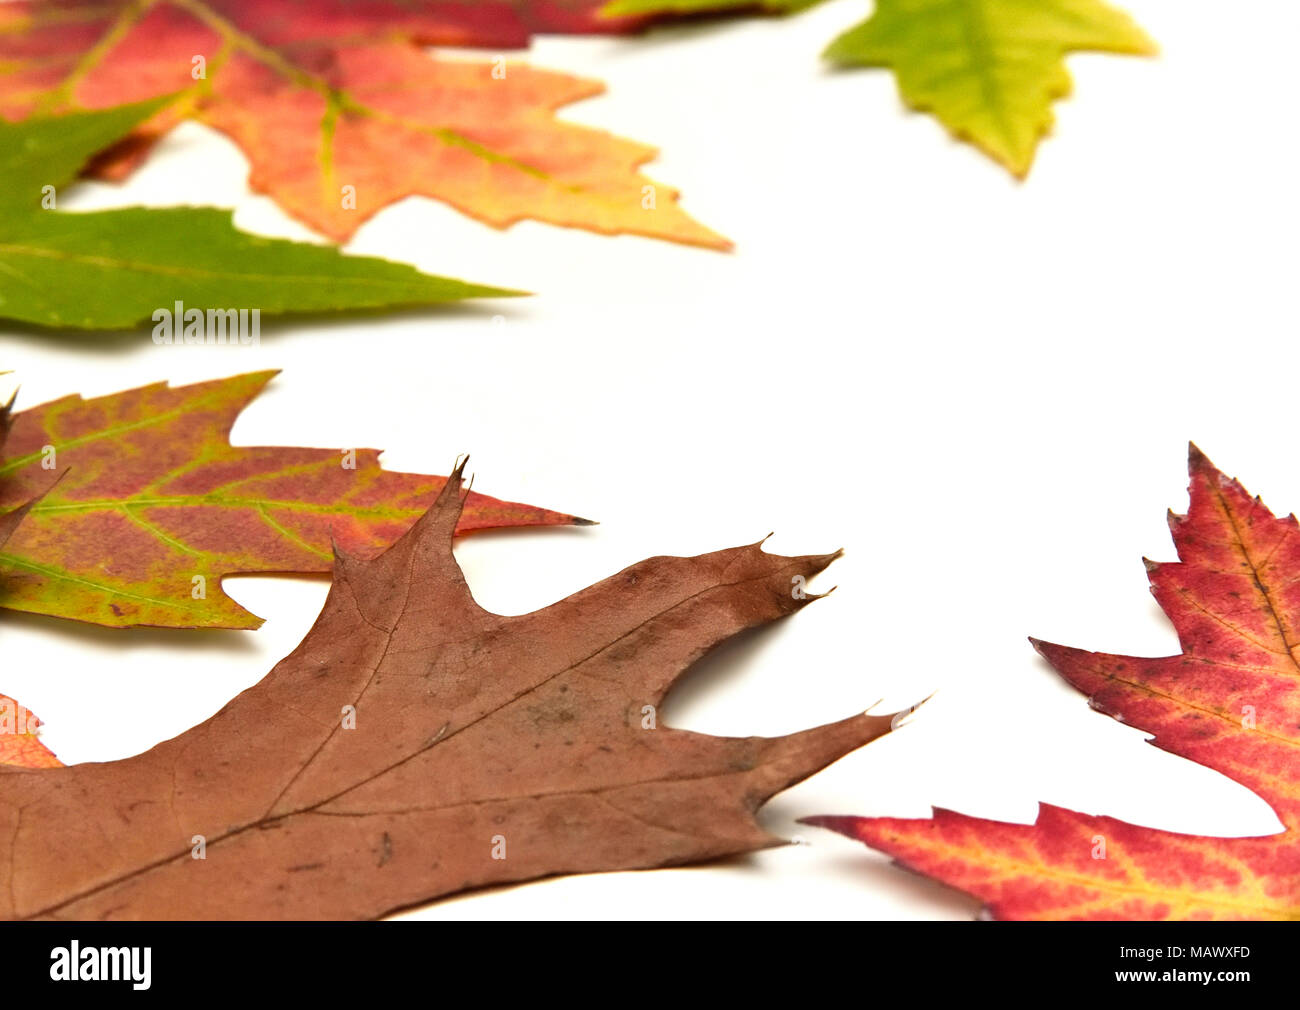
{"x": 1225, "y": 700}
{"x": 468, "y": 726}
{"x": 232, "y": 510}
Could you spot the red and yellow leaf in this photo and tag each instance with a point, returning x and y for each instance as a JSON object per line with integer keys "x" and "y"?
{"x": 341, "y": 113}
{"x": 1229, "y": 701}
{"x": 20, "y": 743}
{"x": 155, "y": 506}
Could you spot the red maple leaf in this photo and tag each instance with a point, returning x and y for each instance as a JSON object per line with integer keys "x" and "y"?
{"x": 340, "y": 111}
{"x": 1229, "y": 701}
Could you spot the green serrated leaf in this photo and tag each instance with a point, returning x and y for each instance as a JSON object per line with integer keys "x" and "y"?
{"x": 114, "y": 269}
{"x": 51, "y": 151}
{"x": 988, "y": 69}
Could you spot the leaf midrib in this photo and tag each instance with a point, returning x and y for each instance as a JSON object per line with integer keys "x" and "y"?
{"x": 1050, "y": 870}
{"x": 335, "y": 98}
{"x": 118, "y": 504}
{"x": 107, "y": 262}
{"x": 270, "y": 816}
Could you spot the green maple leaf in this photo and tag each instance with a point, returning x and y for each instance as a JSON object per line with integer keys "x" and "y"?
{"x": 989, "y": 70}
{"x": 114, "y": 269}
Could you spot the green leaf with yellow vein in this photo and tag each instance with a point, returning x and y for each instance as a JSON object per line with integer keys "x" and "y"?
{"x": 114, "y": 269}
{"x": 154, "y": 506}
{"x": 988, "y": 69}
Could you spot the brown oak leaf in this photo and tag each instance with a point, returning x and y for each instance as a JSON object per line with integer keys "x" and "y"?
{"x": 415, "y": 745}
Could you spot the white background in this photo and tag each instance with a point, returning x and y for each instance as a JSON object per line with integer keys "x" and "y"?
{"x": 981, "y": 389}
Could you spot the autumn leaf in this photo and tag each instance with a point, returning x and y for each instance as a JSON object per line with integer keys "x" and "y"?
{"x": 20, "y": 743}
{"x": 156, "y": 506}
{"x": 1230, "y": 701}
{"x": 112, "y": 269}
{"x": 658, "y": 8}
{"x": 415, "y": 745}
{"x": 988, "y": 69}
{"x": 339, "y": 111}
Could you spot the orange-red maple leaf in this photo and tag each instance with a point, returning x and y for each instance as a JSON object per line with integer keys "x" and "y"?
{"x": 20, "y": 743}
{"x": 1230, "y": 701}
{"x": 340, "y": 112}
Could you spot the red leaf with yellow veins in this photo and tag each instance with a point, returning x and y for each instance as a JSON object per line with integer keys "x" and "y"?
{"x": 1230, "y": 701}
{"x": 155, "y": 506}
{"x": 339, "y": 110}
{"x": 415, "y": 745}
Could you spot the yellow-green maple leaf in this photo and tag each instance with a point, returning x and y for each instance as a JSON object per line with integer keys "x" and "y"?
{"x": 988, "y": 69}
